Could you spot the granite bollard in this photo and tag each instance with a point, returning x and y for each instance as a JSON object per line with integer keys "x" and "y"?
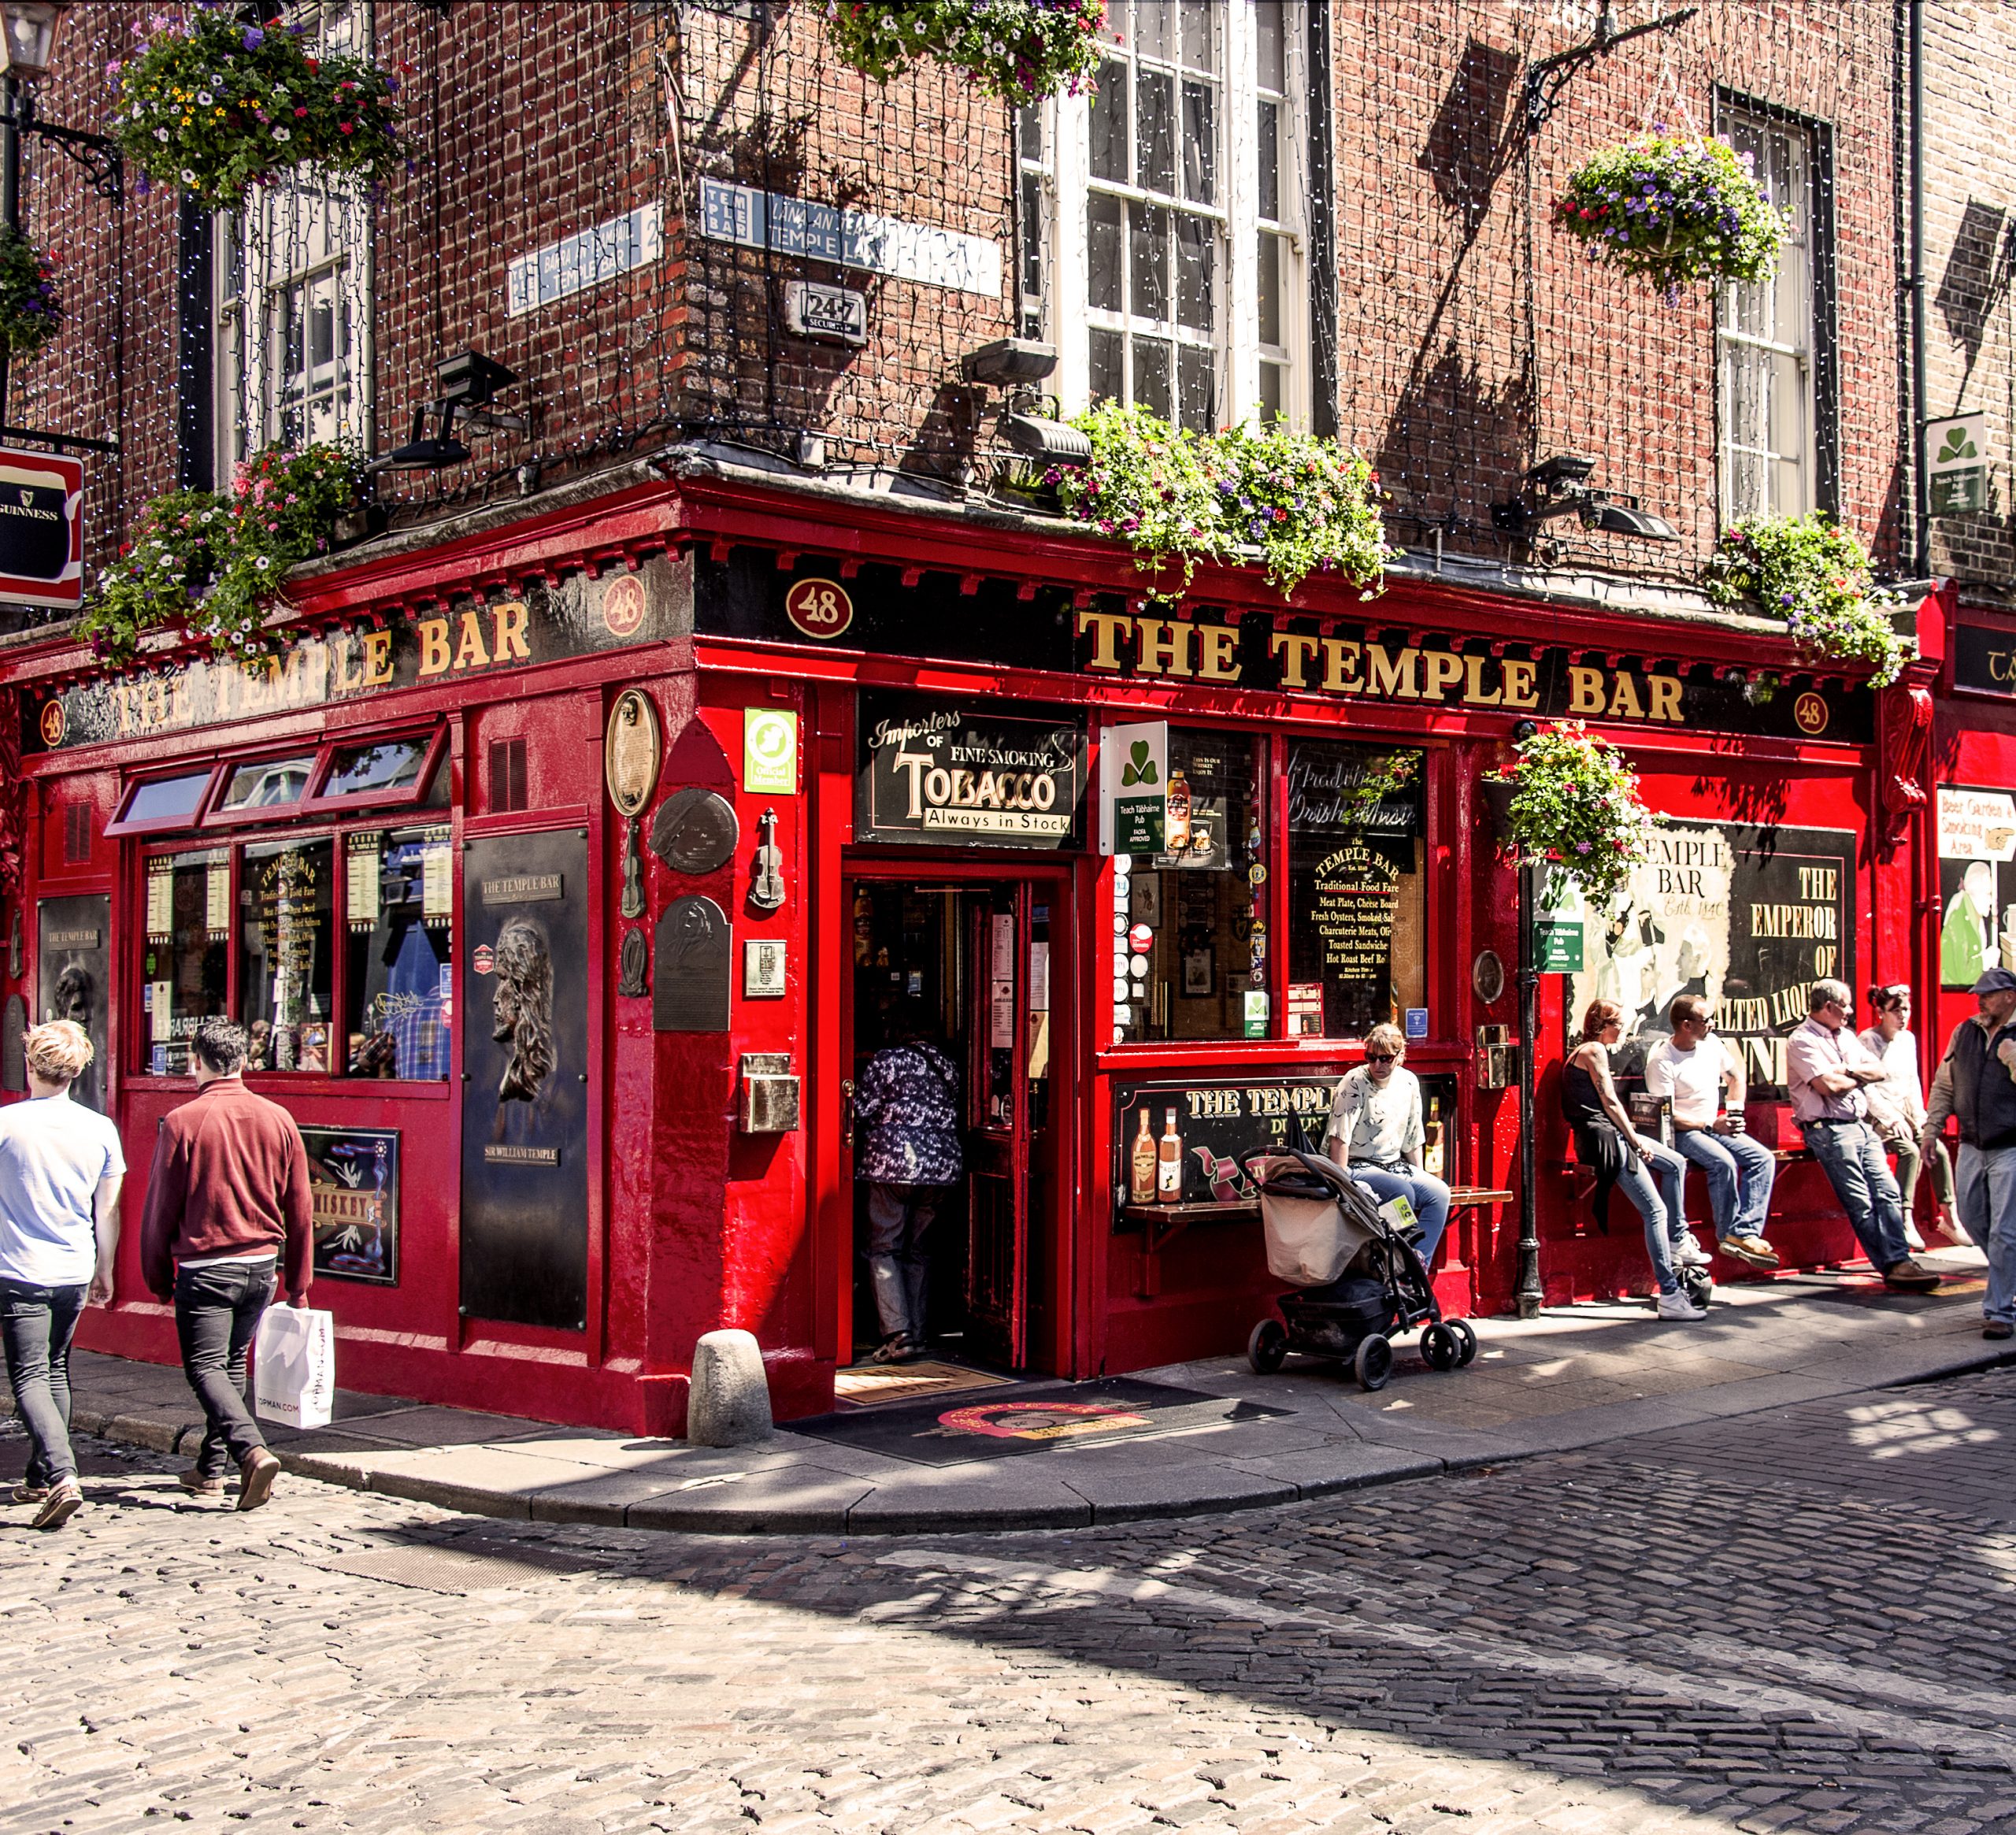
{"x": 730, "y": 1402}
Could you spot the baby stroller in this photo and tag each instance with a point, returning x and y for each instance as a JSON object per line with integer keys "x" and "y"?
{"x": 1358, "y": 1281}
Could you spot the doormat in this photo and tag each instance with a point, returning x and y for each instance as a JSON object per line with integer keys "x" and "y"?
{"x": 876, "y": 1385}
{"x": 1033, "y": 1418}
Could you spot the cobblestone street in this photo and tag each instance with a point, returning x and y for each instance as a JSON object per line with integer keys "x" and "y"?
{"x": 1792, "y": 1620}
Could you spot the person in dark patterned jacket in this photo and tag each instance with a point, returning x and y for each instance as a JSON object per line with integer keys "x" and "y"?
{"x": 906, "y": 1125}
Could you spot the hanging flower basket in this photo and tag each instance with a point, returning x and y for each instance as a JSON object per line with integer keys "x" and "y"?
{"x": 30, "y": 313}
{"x": 1020, "y": 51}
{"x": 209, "y": 568}
{"x": 1574, "y": 800}
{"x": 217, "y": 106}
{"x": 1816, "y": 575}
{"x": 1307, "y": 505}
{"x": 1676, "y": 210}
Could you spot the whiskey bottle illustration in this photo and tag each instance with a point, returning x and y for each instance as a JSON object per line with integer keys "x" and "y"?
{"x": 1175, "y": 826}
{"x": 1141, "y": 1169}
{"x": 1169, "y": 1161}
{"x": 1432, "y": 1155}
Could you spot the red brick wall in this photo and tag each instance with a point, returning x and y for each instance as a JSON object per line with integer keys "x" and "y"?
{"x": 1462, "y": 356}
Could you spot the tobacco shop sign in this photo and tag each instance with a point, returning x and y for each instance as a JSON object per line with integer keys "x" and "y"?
{"x": 935, "y": 773}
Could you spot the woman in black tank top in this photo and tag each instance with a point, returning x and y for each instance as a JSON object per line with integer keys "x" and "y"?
{"x": 1622, "y": 1157}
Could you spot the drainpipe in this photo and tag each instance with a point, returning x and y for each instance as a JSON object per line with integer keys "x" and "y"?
{"x": 1921, "y": 484}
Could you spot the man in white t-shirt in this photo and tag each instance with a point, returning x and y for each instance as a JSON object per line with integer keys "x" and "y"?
{"x": 1692, "y": 1068}
{"x": 61, "y": 1169}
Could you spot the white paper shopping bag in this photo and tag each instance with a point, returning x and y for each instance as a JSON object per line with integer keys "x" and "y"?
{"x": 295, "y": 1368}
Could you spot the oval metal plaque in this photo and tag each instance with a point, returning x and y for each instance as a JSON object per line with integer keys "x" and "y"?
{"x": 696, "y": 831}
{"x": 633, "y": 748}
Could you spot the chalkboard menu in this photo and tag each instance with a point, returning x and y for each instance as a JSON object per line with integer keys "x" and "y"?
{"x": 1217, "y": 1123}
{"x": 1354, "y": 931}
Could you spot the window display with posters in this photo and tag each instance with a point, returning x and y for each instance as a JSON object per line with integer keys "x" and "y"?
{"x": 1977, "y": 883}
{"x": 1747, "y": 917}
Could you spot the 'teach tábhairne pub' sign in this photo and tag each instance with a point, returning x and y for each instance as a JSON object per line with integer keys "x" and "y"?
{"x": 934, "y": 772}
{"x": 548, "y": 625}
{"x": 886, "y": 610}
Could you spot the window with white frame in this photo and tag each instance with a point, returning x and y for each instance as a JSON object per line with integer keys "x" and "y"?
{"x": 1162, "y": 247}
{"x": 292, "y": 296}
{"x": 1764, "y": 331}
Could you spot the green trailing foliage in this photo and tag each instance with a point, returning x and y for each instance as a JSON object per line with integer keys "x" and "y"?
{"x": 1816, "y": 575}
{"x": 1675, "y": 210}
{"x": 216, "y": 104}
{"x": 1020, "y": 51}
{"x": 1576, "y": 801}
{"x": 1307, "y": 505}
{"x": 208, "y": 568}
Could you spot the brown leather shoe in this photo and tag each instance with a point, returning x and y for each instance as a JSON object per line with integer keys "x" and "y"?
{"x": 1909, "y": 1276}
{"x": 198, "y": 1485}
{"x": 257, "y": 1472}
{"x": 1998, "y": 1329}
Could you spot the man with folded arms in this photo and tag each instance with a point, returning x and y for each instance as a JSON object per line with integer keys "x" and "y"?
{"x": 228, "y": 1194}
{"x": 1691, "y": 1069}
{"x": 1828, "y": 1071}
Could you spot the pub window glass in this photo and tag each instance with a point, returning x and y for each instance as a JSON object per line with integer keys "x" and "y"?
{"x": 1358, "y": 906}
{"x": 187, "y": 960}
{"x": 271, "y": 784}
{"x": 285, "y": 960}
{"x": 392, "y": 764}
{"x": 398, "y": 921}
{"x": 1189, "y": 925}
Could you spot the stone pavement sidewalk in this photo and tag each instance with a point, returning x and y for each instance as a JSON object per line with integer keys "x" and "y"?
{"x": 1574, "y": 1378}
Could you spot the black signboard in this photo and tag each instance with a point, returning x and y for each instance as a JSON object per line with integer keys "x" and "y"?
{"x": 13, "y": 1050}
{"x": 73, "y": 978}
{"x": 941, "y": 773}
{"x": 354, "y": 1193}
{"x": 456, "y": 643}
{"x": 1985, "y": 659}
{"x": 893, "y": 611}
{"x": 1215, "y": 1124}
{"x": 524, "y": 1007}
{"x": 1747, "y": 917}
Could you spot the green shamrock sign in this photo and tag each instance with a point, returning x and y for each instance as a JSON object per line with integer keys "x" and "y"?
{"x": 1140, "y": 765}
{"x": 1959, "y": 445}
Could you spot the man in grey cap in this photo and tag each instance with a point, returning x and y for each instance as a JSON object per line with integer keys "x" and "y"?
{"x": 1977, "y": 1084}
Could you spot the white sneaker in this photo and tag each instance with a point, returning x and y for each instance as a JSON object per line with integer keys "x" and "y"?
{"x": 1689, "y": 1253}
{"x": 1912, "y": 1240}
{"x": 1677, "y": 1305}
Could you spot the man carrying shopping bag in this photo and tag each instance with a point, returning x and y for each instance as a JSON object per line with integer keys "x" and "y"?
{"x": 228, "y": 1194}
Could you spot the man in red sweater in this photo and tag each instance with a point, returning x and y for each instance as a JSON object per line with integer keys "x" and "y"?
{"x": 228, "y": 1194}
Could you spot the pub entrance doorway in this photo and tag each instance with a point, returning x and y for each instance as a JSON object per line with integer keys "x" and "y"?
{"x": 971, "y": 959}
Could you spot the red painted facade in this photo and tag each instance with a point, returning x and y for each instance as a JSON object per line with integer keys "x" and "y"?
{"x": 693, "y": 1224}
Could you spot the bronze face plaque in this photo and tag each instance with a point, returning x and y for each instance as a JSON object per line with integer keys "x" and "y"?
{"x": 633, "y": 747}
{"x": 690, "y": 984}
{"x": 694, "y": 830}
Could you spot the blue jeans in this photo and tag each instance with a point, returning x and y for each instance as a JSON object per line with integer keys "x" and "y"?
{"x": 1424, "y": 1190}
{"x": 1852, "y": 1158}
{"x": 36, "y": 1326}
{"x": 1740, "y": 1174}
{"x": 1988, "y": 1207}
{"x": 1661, "y": 1171}
{"x": 898, "y": 1218}
{"x": 216, "y": 1311}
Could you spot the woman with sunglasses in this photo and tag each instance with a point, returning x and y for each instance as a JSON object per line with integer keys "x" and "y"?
{"x": 1889, "y": 1041}
{"x": 1622, "y": 1157}
{"x": 1376, "y": 1135}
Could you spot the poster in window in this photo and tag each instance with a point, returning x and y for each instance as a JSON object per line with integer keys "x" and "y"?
{"x": 1746, "y": 918}
{"x": 1977, "y": 883}
{"x": 524, "y": 1015}
{"x": 1355, "y": 827}
{"x": 72, "y": 980}
{"x": 354, "y": 1200}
